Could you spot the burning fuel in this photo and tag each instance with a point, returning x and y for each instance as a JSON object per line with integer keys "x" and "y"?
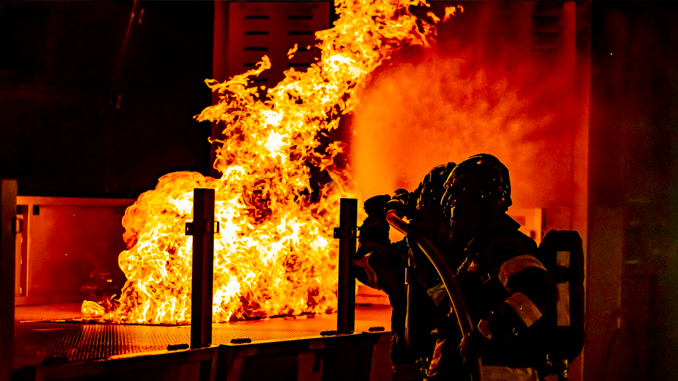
{"x": 274, "y": 254}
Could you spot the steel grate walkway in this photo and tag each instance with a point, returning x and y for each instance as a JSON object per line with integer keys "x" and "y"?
{"x": 41, "y": 336}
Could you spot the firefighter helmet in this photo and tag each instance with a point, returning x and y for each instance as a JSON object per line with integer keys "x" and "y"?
{"x": 479, "y": 184}
{"x": 431, "y": 189}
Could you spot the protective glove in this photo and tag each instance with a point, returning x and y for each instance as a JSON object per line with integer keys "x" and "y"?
{"x": 473, "y": 345}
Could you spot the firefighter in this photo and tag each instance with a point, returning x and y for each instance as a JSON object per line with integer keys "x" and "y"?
{"x": 381, "y": 264}
{"x": 505, "y": 287}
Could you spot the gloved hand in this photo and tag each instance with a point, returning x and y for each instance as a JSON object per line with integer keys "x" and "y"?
{"x": 473, "y": 345}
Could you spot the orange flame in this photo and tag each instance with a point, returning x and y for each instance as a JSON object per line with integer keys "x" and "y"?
{"x": 452, "y": 11}
{"x": 275, "y": 254}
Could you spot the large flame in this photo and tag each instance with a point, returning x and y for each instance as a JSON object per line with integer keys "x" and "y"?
{"x": 275, "y": 254}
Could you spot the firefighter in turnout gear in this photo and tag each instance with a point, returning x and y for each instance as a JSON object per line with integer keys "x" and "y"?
{"x": 505, "y": 287}
{"x": 381, "y": 264}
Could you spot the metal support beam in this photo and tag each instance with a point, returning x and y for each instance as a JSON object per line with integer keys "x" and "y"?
{"x": 202, "y": 229}
{"x": 348, "y": 221}
{"x": 8, "y": 190}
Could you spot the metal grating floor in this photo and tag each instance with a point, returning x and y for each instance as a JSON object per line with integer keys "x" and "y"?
{"x": 40, "y": 338}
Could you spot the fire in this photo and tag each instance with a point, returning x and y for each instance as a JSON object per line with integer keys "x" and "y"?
{"x": 274, "y": 254}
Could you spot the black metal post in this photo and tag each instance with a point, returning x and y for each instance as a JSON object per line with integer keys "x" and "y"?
{"x": 202, "y": 229}
{"x": 348, "y": 221}
{"x": 8, "y": 190}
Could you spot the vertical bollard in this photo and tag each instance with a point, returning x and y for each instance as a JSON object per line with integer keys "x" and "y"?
{"x": 8, "y": 190}
{"x": 202, "y": 229}
{"x": 346, "y": 232}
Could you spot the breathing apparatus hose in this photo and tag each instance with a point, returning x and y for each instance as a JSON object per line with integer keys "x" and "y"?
{"x": 447, "y": 277}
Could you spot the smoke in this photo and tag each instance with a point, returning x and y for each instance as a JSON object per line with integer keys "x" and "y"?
{"x": 437, "y": 106}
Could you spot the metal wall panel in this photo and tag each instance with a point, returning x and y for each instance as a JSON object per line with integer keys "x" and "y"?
{"x": 65, "y": 244}
{"x": 8, "y": 191}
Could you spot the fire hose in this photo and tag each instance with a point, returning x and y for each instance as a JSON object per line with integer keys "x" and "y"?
{"x": 448, "y": 279}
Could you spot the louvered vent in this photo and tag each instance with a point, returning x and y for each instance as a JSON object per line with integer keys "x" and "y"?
{"x": 258, "y": 29}
{"x": 547, "y": 26}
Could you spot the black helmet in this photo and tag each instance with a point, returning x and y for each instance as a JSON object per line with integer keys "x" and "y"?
{"x": 479, "y": 184}
{"x": 432, "y": 188}
{"x": 428, "y": 194}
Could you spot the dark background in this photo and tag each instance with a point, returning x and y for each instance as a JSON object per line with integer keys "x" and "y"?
{"x": 82, "y": 117}
{"x": 633, "y": 187}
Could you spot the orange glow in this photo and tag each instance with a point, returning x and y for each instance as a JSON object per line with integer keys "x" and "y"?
{"x": 482, "y": 91}
{"x": 275, "y": 254}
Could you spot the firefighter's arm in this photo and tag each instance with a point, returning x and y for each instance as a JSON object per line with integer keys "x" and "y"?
{"x": 373, "y": 233}
{"x": 531, "y": 292}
